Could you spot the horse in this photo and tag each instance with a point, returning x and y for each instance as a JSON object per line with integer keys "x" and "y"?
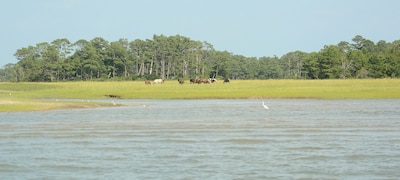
{"x": 147, "y": 82}
{"x": 204, "y": 80}
{"x": 192, "y": 81}
{"x": 197, "y": 80}
{"x": 213, "y": 80}
{"x": 158, "y": 81}
{"x": 226, "y": 80}
{"x": 181, "y": 81}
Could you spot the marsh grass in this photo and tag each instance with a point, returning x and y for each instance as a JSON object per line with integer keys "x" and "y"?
{"x": 32, "y": 96}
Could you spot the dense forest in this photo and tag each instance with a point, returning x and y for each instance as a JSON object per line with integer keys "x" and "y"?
{"x": 177, "y": 56}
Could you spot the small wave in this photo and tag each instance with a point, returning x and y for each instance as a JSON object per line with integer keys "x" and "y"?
{"x": 244, "y": 141}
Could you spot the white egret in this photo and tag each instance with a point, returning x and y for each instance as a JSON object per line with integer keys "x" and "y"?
{"x": 265, "y": 106}
{"x": 113, "y": 103}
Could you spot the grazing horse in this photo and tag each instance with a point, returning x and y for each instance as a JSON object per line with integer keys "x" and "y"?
{"x": 192, "y": 81}
{"x": 158, "y": 81}
{"x": 204, "y": 80}
{"x": 181, "y": 81}
{"x": 197, "y": 80}
{"x": 147, "y": 82}
{"x": 226, "y": 80}
{"x": 213, "y": 80}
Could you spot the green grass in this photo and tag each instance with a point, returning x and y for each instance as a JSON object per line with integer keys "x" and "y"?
{"x": 28, "y": 96}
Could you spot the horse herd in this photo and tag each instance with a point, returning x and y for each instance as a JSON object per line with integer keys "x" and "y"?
{"x": 192, "y": 81}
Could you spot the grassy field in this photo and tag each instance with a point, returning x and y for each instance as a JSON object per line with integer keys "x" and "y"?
{"x": 35, "y": 96}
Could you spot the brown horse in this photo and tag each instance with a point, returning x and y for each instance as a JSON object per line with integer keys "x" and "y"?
{"x": 181, "y": 81}
{"x": 197, "y": 80}
{"x": 147, "y": 82}
{"x": 204, "y": 80}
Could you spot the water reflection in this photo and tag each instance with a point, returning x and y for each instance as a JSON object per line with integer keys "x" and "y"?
{"x": 205, "y": 139}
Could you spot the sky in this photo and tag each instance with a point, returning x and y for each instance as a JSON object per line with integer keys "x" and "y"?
{"x": 253, "y": 28}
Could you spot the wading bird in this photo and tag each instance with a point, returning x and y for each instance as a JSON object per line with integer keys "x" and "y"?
{"x": 265, "y": 106}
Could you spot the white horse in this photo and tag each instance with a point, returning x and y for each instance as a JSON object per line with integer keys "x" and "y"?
{"x": 158, "y": 81}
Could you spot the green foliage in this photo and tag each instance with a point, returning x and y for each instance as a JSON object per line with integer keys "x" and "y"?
{"x": 177, "y": 56}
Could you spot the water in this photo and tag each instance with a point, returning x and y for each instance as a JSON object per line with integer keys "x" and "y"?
{"x": 205, "y": 139}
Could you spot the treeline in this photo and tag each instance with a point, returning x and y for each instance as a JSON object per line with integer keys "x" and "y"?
{"x": 181, "y": 57}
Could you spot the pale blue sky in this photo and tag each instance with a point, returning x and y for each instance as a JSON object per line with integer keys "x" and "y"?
{"x": 252, "y": 28}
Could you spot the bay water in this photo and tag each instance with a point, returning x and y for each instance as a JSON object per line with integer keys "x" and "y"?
{"x": 205, "y": 139}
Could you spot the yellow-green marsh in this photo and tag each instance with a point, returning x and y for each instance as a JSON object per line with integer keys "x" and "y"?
{"x": 34, "y": 96}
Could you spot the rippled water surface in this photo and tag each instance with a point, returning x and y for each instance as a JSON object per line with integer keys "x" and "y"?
{"x": 205, "y": 139}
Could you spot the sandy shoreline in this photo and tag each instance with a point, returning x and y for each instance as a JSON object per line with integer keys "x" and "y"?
{"x": 24, "y": 106}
